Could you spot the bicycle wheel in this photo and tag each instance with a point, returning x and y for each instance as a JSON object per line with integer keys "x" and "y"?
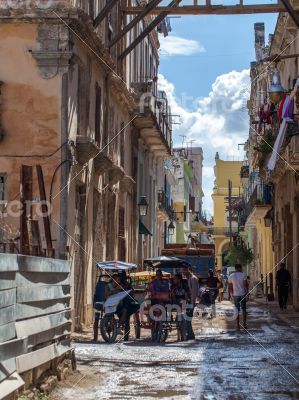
{"x": 137, "y": 328}
{"x": 108, "y": 328}
{"x": 162, "y": 332}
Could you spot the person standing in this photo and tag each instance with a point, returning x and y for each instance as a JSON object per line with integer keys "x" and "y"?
{"x": 193, "y": 292}
{"x": 220, "y": 286}
{"x": 283, "y": 285}
{"x": 213, "y": 285}
{"x": 239, "y": 283}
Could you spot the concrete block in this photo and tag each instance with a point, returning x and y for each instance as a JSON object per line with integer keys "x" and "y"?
{"x": 7, "y": 280}
{"x": 13, "y": 383}
{"x": 29, "y": 294}
{"x": 7, "y": 314}
{"x": 8, "y": 262}
{"x": 36, "y": 325}
{"x": 7, "y": 297}
{"x": 41, "y": 308}
{"x": 7, "y": 368}
{"x": 13, "y": 348}
{"x": 42, "y": 264}
{"x": 7, "y": 332}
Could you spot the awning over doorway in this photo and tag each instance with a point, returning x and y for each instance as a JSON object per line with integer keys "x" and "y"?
{"x": 143, "y": 230}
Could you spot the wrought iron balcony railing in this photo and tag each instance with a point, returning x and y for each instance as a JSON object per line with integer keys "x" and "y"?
{"x": 164, "y": 204}
{"x": 261, "y": 195}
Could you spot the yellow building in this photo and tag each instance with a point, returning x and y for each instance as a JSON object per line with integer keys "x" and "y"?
{"x": 224, "y": 171}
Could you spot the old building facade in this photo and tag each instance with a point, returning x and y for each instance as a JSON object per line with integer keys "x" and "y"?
{"x": 91, "y": 116}
{"x": 225, "y": 172}
{"x": 273, "y": 155}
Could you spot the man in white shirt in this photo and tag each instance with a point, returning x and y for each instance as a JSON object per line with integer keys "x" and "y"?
{"x": 194, "y": 292}
{"x": 240, "y": 289}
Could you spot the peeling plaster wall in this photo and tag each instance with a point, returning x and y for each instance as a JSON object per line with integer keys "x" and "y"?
{"x": 30, "y": 112}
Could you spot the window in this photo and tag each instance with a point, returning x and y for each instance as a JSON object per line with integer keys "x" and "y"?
{"x": 3, "y": 188}
{"x": 121, "y": 222}
{"x": 121, "y": 235}
{"x": 98, "y": 114}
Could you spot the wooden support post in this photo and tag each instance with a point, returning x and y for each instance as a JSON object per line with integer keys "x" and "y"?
{"x": 44, "y": 207}
{"x": 291, "y": 11}
{"x": 25, "y": 196}
{"x": 148, "y": 30}
{"x": 152, "y": 4}
{"x": 34, "y": 237}
{"x": 104, "y": 12}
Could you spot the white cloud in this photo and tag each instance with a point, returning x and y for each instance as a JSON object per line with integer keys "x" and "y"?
{"x": 175, "y": 45}
{"x": 217, "y": 122}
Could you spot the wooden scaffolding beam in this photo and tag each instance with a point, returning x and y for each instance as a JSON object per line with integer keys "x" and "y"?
{"x": 146, "y": 11}
{"x": 155, "y": 22}
{"x": 213, "y": 9}
{"x": 104, "y": 12}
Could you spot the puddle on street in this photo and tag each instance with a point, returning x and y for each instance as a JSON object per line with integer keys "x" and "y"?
{"x": 160, "y": 394}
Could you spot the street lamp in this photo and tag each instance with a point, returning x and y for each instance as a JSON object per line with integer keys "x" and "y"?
{"x": 143, "y": 206}
{"x": 171, "y": 228}
{"x": 276, "y": 91}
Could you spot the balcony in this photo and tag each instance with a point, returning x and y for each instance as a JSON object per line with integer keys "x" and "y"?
{"x": 153, "y": 119}
{"x": 87, "y": 149}
{"x": 259, "y": 203}
{"x": 164, "y": 209}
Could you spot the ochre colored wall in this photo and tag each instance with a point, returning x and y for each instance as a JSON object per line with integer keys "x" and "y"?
{"x": 30, "y": 108}
{"x": 224, "y": 171}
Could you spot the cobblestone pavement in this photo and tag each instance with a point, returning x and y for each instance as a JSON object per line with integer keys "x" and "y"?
{"x": 260, "y": 364}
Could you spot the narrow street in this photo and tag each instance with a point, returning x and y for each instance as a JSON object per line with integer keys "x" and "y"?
{"x": 221, "y": 363}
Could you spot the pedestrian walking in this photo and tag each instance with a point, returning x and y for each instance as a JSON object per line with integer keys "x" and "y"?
{"x": 239, "y": 283}
{"x": 283, "y": 285}
{"x": 213, "y": 285}
{"x": 194, "y": 292}
{"x": 220, "y": 276}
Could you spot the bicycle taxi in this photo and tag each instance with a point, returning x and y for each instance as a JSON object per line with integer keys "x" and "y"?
{"x": 162, "y": 314}
{"x": 107, "y": 310}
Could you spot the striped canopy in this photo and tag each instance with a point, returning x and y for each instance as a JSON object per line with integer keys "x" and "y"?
{"x": 116, "y": 265}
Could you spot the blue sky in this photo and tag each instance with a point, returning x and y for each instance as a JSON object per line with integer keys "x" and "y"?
{"x": 204, "y": 65}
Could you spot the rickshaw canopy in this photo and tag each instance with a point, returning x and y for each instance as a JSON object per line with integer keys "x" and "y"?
{"x": 116, "y": 265}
